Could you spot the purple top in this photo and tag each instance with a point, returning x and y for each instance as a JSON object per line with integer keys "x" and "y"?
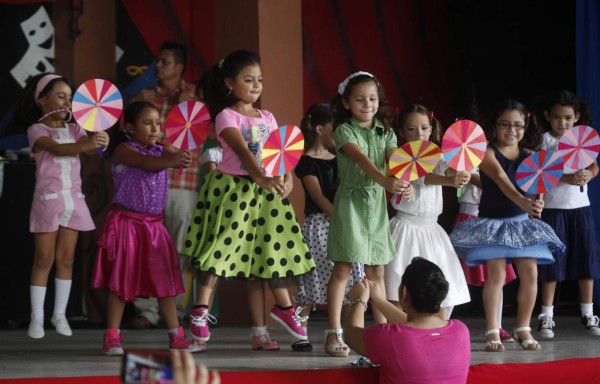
{"x": 140, "y": 190}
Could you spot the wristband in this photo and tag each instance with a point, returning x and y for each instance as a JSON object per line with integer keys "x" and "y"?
{"x": 356, "y": 301}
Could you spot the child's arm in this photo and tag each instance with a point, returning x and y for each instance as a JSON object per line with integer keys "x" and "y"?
{"x": 476, "y": 180}
{"x": 234, "y": 138}
{"x": 209, "y": 166}
{"x": 450, "y": 179}
{"x": 390, "y": 184}
{"x": 492, "y": 168}
{"x": 288, "y": 184}
{"x": 87, "y": 144}
{"x": 312, "y": 186}
{"x": 171, "y": 158}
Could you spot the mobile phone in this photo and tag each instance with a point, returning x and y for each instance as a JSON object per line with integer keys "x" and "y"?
{"x": 145, "y": 366}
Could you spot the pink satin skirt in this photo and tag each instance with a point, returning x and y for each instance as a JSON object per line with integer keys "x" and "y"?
{"x": 137, "y": 257}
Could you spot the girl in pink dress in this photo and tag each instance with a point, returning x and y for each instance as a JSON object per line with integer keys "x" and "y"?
{"x": 58, "y": 211}
{"x": 136, "y": 254}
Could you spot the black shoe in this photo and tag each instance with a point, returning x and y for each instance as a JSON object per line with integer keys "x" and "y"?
{"x": 301, "y": 346}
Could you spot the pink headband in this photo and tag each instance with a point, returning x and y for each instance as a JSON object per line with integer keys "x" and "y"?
{"x": 42, "y": 84}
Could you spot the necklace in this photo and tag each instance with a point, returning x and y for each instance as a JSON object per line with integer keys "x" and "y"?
{"x": 56, "y": 111}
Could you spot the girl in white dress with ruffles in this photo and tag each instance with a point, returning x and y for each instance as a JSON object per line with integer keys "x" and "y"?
{"x": 414, "y": 228}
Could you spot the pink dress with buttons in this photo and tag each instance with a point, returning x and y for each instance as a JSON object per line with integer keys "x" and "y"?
{"x": 57, "y": 199}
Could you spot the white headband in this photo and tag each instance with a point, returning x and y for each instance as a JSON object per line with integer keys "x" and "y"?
{"x": 343, "y": 84}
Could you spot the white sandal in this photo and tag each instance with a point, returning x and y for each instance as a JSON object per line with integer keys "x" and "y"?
{"x": 493, "y": 345}
{"x": 339, "y": 349}
{"x": 527, "y": 344}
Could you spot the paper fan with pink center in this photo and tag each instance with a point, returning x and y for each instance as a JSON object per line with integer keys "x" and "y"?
{"x": 97, "y": 105}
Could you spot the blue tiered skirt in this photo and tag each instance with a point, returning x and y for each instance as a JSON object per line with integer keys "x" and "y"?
{"x": 480, "y": 239}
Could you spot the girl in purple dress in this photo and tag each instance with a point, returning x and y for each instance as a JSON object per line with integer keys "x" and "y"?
{"x": 136, "y": 254}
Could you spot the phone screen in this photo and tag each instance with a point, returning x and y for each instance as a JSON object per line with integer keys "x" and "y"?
{"x": 146, "y": 366}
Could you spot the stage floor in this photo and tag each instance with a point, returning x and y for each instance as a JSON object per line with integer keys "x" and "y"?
{"x": 229, "y": 349}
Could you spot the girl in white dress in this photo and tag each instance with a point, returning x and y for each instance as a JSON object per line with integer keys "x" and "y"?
{"x": 414, "y": 228}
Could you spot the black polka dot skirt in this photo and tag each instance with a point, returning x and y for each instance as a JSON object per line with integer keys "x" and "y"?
{"x": 239, "y": 230}
{"x": 312, "y": 287}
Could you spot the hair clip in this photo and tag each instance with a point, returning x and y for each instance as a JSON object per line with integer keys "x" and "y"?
{"x": 309, "y": 116}
{"x": 343, "y": 84}
{"x": 431, "y": 115}
{"x": 220, "y": 63}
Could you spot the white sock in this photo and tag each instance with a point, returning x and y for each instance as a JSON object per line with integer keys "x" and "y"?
{"x": 587, "y": 310}
{"x": 37, "y": 294}
{"x": 61, "y": 296}
{"x": 174, "y": 331}
{"x": 548, "y": 311}
{"x": 500, "y": 307}
{"x": 257, "y": 331}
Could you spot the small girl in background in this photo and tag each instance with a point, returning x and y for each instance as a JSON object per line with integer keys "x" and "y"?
{"x": 318, "y": 171}
{"x": 468, "y": 208}
{"x": 414, "y": 228}
{"x": 136, "y": 254}
{"x": 506, "y": 229}
{"x": 359, "y": 230}
{"x": 244, "y": 225}
{"x": 58, "y": 211}
{"x": 568, "y": 211}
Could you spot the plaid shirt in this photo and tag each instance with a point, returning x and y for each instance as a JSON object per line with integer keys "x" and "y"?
{"x": 188, "y": 178}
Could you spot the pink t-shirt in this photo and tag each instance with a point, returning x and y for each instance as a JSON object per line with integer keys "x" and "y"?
{"x": 254, "y": 130}
{"x": 412, "y": 355}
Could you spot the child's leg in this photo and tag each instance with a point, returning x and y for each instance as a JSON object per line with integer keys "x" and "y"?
{"x": 199, "y": 317}
{"x": 115, "y": 308}
{"x": 65, "y": 255}
{"x": 45, "y": 244}
{"x": 375, "y": 273}
{"x": 526, "y": 295}
{"x": 256, "y": 302}
{"x": 548, "y": 291}
{"x": 335, "y": 294}
{"x": 492, "y": 290}
{"x": 206, "y": 285}
{"x": 112, "y": 337}
{"x": 168, "y": 310}
{"x": 586, "y": 291}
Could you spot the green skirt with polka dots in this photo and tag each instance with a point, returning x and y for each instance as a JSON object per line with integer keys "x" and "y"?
{"x": 240, "y": 230}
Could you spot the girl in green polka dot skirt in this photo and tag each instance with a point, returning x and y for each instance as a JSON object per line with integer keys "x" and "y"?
{"x": 243, "y": 225}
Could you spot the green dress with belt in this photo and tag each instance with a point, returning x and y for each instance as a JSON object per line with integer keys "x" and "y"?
{"x": 359, "y": 229}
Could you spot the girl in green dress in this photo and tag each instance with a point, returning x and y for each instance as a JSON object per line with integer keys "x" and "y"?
{"x": 359, "y": 230}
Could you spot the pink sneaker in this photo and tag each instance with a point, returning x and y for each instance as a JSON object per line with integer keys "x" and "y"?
{"x": 112, "y": 343}
{"x": 199, "y": 319}
{"x": 290, "y": 320}
{"x": 178, "y": 342}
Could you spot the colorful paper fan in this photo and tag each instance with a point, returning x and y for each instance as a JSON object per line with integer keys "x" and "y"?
{"x": 97, "y": 105}
{"x": 414, "y": 159}
{"x": 579, "y": 147}
{"x": 464, "y": 145}
{"x": 282, "y": 150}
{"x": 539, "y": 172}
{"x": 188, "y": 125}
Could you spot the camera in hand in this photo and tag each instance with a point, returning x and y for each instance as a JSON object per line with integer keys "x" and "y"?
{"x": 145, "y": 366}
